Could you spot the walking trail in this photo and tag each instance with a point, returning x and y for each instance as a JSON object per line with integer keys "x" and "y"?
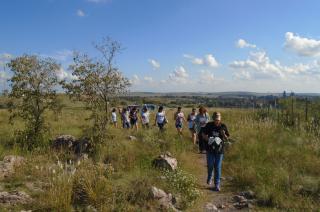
{"x": 212, "y": 200}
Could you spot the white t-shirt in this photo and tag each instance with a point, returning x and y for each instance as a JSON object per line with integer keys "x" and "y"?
{"x": 203, "y": 121}
{"x": 160, "y": 117}
{"x": 114, "y": 116}
{"x": 145, "y": 117}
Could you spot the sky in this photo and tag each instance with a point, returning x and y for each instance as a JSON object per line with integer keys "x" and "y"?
{"x": 175, "y": 45}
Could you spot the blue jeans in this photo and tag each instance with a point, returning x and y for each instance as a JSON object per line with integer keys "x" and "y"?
{"x": 214, "y": 163}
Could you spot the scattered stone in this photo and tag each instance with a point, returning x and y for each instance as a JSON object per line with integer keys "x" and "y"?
{"x": 90, "y": 208}
{"x": 239, "y": 198}
{"x": 70, "y": 143}
{"x": 132, "y": 138}
{"x": 240, "y": 205}
{"x": 248, "y": 194}
{"x": 165, "y": 200}
{"x": 166, "y": 161}
{"x": 221, "y": 206}
{"x": 8, "y": 165}
{"x": 177, "y": 202}
{"x": 63, "y": 142}
{"x": 14, "y": 198}
{"x": 82, "y": 146}
{"x": 210, "y": 207}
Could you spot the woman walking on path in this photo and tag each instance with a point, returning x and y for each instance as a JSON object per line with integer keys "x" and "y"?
{"x": 191, "y": 125}
{"x": 215, "y": 133}
{"x": 134, "y": 118}
{"x": 160, "y": 119}
{"x": 179, "y": 119}
{"x": 200, "y": 122}
{"x": 145, "y": 117}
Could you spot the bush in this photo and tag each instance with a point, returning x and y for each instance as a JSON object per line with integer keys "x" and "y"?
{"x": 183, "y": 184}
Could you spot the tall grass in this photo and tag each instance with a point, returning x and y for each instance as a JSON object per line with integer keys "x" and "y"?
{"x": 281, "y": 165}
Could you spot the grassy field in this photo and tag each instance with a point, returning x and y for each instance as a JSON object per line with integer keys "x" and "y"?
{"x": 281, "y": 165}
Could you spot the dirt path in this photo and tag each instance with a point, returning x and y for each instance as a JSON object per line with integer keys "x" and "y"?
{"x": 223, "y": 200}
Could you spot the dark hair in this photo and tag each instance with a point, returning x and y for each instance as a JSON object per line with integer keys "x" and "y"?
{"x": 193, "y": 110}
{"x": 114, "y": 110}
{"x": 179, "y": 108}
{"x": 160, "y": 109}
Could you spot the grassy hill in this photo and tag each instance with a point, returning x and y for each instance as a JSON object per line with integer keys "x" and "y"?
{"x": 279, "y": 164}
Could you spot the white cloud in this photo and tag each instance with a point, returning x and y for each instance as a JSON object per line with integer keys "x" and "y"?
{"x": 80, "y": 13}
{"x": 135, "y": 80}
{"x": 155, "y": 64}
{"x": 259, "y": 66}
{"x": 64, "y": 75}
{"x": 302, "y": 46}
{"x": 241, "y": 43}
{"x": 211, "y": 61}
{"x": 242, "y": 75}
{"x": 208, "y": 60}
{"x": 179, "y": 75}
{"x": 206, "y": 77}
{"x": 148, "y": 79}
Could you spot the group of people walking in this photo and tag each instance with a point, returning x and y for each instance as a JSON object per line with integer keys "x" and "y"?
{"x": 209, "y": 134}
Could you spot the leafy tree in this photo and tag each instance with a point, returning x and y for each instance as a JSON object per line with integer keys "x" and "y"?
{"x": 32, "y": 93}
{"x": 96, "y": 82}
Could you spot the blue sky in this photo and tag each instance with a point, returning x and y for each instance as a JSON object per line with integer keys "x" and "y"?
{"x": 176, "y": 45}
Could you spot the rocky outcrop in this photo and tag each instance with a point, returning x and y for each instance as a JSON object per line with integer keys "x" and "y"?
{"x": 14, "y": 198}
{"x": 71, "y": 144}
{"x": 166, "y": 161}
{"x": 245, "y": 199}
{"x": 8, "y": 165}
{"x": 166, "y": 201}
{"x": 210, "y": 207}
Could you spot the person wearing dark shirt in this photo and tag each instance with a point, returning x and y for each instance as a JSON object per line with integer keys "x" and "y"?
{"x": 215, "y": 134}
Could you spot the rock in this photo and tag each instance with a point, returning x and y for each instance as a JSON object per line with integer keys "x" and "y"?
{"x": 221, "y": 206}
{"x": 70, "y": 143}
{"x": 177, "y": 202}
{"x": 8, "y": 165}
{"x": 82, "y": 146}
{"x": 241, "y": 205}
{"x": 132, "y": 138}
{"x": 158, "y": 193}
{"x": 248, "y": 194}
{"x": 210, "y": 207}
{"x": 165, "y": 200}
{"x": 14, "y": 198}
{"x": 239, "y": 198}
{"x": 165, "y": 161}
{"x": 90, "y": 208}
{"x": 63, "y": 142}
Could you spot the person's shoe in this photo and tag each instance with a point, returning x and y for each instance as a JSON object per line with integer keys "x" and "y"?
{"x": 209, "y": 182}
{"x": 217, "y": 188}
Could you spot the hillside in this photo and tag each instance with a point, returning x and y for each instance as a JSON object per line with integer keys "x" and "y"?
{"x": 278, "y": 165}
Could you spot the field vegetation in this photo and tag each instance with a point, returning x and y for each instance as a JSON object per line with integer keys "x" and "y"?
{"x": 279, "y": 163}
